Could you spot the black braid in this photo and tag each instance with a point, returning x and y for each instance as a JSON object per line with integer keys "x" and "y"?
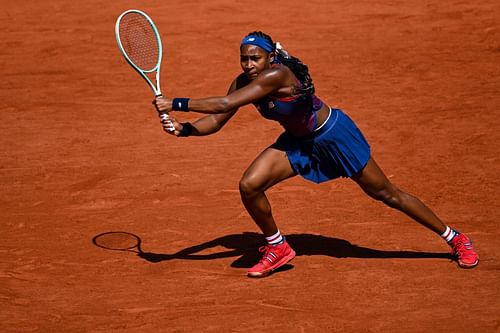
{"x": 298, "y": 68}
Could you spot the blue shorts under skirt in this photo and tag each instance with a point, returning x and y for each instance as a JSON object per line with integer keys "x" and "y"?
{"x": 337, "y": 149}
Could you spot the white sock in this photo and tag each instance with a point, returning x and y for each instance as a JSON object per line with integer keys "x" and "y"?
{"x": 449, "y": 234}
{"x": 275, "y": 239}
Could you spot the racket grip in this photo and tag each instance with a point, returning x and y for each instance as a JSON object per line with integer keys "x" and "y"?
{"x": 166, "y": 122}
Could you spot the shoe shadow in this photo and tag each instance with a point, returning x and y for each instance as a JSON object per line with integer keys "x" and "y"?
{"x": 245, "y": 245}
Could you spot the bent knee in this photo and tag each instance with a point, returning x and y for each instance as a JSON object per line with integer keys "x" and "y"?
{"x": 248, "y": 186}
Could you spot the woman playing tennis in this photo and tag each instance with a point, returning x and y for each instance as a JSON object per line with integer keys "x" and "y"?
{"x": 319, "y": 143}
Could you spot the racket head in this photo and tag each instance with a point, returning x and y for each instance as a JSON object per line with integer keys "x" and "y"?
{"x": 140, "y": 44}
{"x": 118, "y": 241}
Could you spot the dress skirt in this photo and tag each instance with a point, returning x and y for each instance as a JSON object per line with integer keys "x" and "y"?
{"x": 336, "y": 149}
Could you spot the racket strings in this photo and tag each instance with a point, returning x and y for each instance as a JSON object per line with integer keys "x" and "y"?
{"x": 139, "y": 41}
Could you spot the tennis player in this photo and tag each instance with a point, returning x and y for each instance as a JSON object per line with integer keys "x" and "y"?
{"x": 319, "y": 143}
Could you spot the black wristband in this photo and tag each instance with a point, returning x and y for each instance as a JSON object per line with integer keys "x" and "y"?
{"x": 187, "y": 129}
{"x": 180, "y": 104}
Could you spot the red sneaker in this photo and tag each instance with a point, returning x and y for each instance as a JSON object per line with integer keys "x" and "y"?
{"x": 464, "y": 252}
{"x": 274, "y": 256}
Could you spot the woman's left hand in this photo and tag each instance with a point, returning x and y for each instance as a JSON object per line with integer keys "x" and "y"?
{"x": 162, "y": 104}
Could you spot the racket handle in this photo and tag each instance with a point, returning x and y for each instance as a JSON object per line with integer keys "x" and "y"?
{"x": 166, "y": 122}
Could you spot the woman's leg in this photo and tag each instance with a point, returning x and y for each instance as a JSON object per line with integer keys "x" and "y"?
{"x": 374, "y": 182}
{"x": 269, "y": 168}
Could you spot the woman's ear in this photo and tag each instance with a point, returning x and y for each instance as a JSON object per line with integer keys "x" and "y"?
{"x": 272, "y": 56}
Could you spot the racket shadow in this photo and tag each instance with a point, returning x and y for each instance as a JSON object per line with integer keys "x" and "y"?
{"x": 245, "y": 247}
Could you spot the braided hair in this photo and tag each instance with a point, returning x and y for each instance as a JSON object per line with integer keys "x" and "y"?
{"x": 298, "y": 68}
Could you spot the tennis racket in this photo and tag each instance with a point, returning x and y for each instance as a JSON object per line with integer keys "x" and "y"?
{"x": 140, "y": 44}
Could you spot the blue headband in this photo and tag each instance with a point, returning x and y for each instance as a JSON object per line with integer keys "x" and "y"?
{"x": 258, "y": 41}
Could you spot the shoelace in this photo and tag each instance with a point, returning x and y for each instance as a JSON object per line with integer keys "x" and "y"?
{"x": 462, "y": 244}
{"x": 268, "y": 255}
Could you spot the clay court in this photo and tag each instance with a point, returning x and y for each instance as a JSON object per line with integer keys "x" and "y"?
{"x": 83, "y": 154}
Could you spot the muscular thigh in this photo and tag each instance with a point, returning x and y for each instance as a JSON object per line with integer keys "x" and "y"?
{"x": 374, "y": 182}
{"x": 269, "y": 168}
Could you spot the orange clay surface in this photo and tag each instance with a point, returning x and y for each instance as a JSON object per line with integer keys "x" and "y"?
{"x": 83, "y": 153}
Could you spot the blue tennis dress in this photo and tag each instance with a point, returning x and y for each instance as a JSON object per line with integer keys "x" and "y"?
{"x": 336, "y": 149}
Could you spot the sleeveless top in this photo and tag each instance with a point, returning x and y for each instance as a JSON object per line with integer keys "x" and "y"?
{"x": 297, "y": 114}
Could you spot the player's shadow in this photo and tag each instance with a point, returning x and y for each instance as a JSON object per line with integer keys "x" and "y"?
{"x": 245, "y": 245}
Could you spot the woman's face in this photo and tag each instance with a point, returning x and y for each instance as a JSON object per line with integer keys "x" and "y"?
{"x": 254, "y": 60}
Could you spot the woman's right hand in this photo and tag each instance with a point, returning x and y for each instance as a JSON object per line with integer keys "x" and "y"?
{"x": 170, "y": 125}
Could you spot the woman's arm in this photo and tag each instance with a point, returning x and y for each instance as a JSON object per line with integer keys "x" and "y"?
{"x": 213, "y": 123}
{"x": 209, "y": 124}
{"x": 266, "y": 83}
